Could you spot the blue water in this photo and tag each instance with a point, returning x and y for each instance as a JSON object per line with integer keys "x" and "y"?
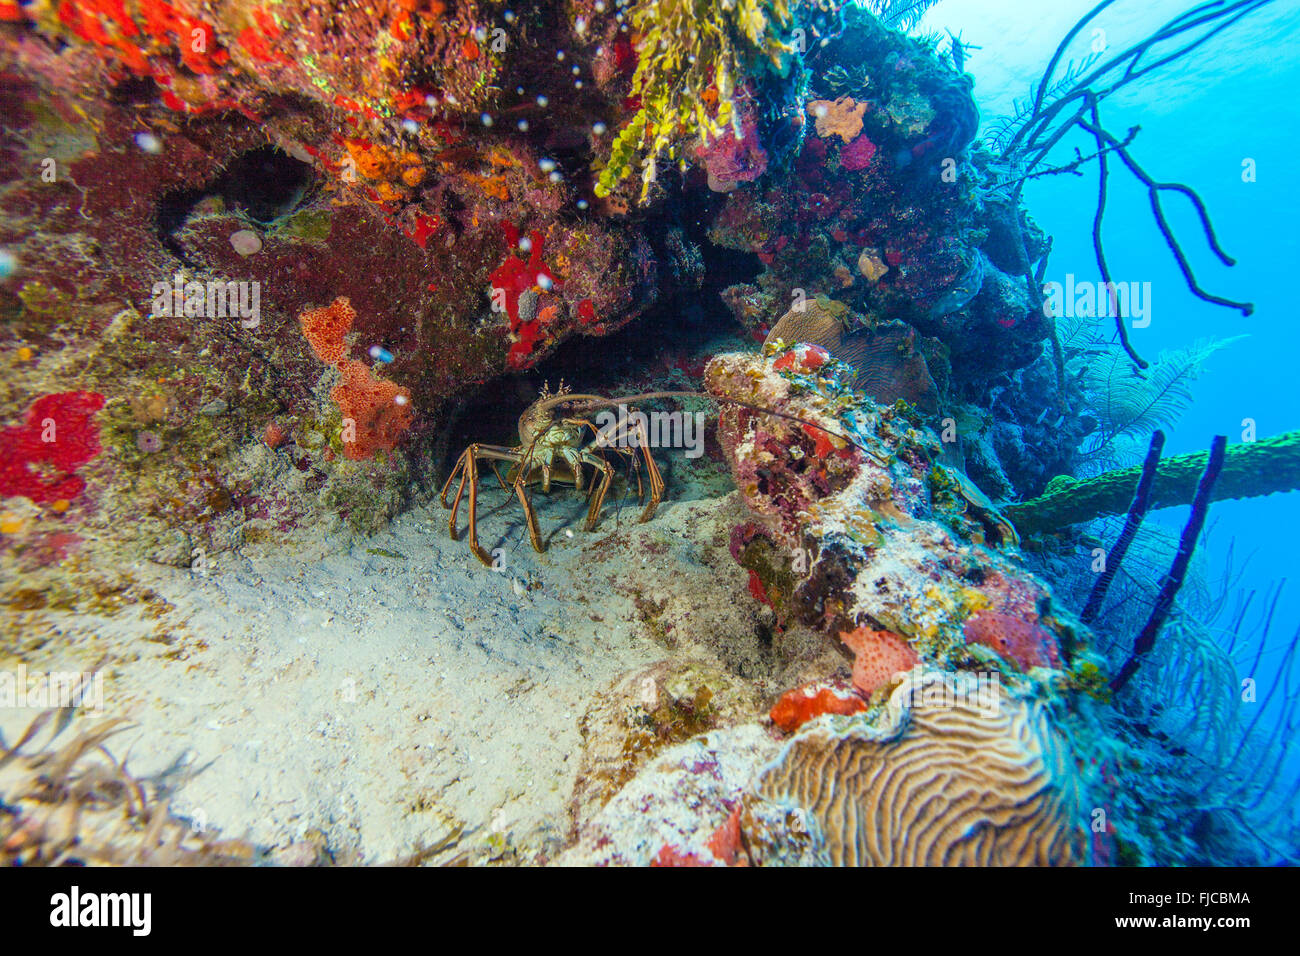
{"x": 1238, "y": 97}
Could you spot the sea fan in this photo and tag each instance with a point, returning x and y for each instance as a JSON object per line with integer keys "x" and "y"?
{"x": 901, "y": 15}
{"x": 1129, "y": 404}
{"x": 1004, "y": 130}
{"x": 1219, "y": 776}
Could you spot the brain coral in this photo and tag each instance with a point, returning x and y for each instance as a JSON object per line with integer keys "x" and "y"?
{"x": 951, "y": 782}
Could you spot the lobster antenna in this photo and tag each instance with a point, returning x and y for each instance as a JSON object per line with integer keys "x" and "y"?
{"x": 600, "y": 401}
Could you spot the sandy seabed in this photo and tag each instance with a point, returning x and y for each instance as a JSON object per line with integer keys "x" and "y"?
{"x": 378, "y": 696}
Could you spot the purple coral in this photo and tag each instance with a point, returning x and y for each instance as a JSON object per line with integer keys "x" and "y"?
{"x": 858, "y": 154}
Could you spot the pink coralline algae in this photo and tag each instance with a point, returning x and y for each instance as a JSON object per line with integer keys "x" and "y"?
{"x": 1016, "y": 639}
{"x": 858, "y": 154}
{"x": 731, "y": 160}
{"x": 40, "y": 456}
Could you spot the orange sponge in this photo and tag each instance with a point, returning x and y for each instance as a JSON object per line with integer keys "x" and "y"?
{"x": 797, "y": 707}
{"x": 324, "y": 329}
{"x": 878, "y": 656}
{"x": 376, "y": 412}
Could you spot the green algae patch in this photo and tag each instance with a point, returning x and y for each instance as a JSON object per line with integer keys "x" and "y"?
{"x": 310, "y": 225}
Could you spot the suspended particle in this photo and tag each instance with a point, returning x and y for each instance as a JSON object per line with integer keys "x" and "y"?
{"x": 557, "y": 177}
{"x": 411, "y": 126}
{"x": 577, "y": 84}
{"x": 381, "y": 354}
{"x": 545, "y": 281}
{"x": 542, "y": 101}
{"x": 559, "y": 54}
{"x": 545, "y": 164}
{"x": 576, "y": 70}
{"x": 509, "y": 16}
{"x": 8, "y": 263}
{"x": 599, "y": 128}
{"x": 399, "y": 399}
{"x": 525, "y": 244}
{"x": 583, "y": 204}
{"x": 486, "y": 119}
{"x": 149, "y": 143}
{"x": 523, "y": 126}
{"x": 519, "y": 90}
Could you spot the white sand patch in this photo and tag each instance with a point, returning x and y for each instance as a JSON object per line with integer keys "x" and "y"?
{"x": 388, "y": 702}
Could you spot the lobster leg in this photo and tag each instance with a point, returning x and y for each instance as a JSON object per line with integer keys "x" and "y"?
{"x": 467, "y": 468}
{"x": 534, "y": 532}
{"x": 599, "y": 489}
{"x": 635, "y": 430}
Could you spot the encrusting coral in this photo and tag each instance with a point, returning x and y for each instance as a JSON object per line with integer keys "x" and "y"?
{"x": 957, "y": 740}
{"x": 858, "y": 523}
{"x": 946, "y": 773}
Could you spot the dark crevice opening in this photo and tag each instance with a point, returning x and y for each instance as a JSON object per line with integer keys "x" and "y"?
{"x": 264, "y": 183}
{"x": 693, "y": 323}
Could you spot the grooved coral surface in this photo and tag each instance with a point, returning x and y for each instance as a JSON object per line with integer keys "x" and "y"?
{"x": 953, "y": 782}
